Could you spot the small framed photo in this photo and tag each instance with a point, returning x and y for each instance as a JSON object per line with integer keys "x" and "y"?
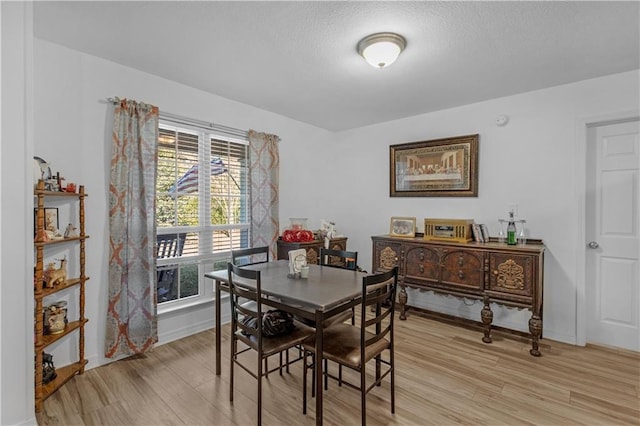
{"x": 51, "y": 221}
{"x": 403, "y": 227}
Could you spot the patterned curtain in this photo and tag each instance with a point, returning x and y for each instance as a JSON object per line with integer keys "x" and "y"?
{"x": 132, "y": 311}
{"x": 264, "y": 166}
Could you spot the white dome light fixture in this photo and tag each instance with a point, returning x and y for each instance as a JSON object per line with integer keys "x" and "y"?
{"x": 381, "y": 49}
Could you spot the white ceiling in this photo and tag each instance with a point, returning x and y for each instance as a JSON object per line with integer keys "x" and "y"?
{"x": 299, "y": 59}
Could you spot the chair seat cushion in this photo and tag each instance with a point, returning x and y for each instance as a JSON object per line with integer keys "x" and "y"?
{"x": 342, "y": 345}
{"x": 275, "y": 344}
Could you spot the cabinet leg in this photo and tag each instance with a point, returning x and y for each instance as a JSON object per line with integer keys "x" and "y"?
{"x": 487, "y": 318}
{"x": 402, "y": 299}
{"x": 535, "y": 328}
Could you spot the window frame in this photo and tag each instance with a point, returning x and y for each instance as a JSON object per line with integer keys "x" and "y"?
{"x": 206, "y": 258}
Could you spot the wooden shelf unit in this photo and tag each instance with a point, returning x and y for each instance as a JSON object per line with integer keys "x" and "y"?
{"x": 42, "y": 340}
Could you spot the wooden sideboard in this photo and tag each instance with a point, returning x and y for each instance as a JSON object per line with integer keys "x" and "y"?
{"x": 312, "y": 248}
{"x": 492, "y": 272}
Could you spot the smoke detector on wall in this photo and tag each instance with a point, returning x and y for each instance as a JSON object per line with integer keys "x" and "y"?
{"x": 502, "y": 120}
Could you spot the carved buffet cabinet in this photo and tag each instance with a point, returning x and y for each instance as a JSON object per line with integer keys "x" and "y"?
{"x": 492, "y": 272}
{"x": 312, "y": 248}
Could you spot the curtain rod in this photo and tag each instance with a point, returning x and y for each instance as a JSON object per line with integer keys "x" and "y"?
{"x": 232, "y": 131}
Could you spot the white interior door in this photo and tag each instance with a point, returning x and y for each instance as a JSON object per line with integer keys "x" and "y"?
{"x": 613, "y": 235}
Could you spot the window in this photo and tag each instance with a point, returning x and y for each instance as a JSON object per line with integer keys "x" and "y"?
{"x": 202, "y": 208}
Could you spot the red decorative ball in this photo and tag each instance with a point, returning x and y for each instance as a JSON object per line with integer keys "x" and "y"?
{"x": 297, "y": 236}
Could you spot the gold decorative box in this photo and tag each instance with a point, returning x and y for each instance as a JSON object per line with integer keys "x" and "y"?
{"x": 458, "y": 230}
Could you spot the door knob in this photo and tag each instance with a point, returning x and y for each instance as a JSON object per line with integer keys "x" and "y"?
{"x": 593, "y": 245}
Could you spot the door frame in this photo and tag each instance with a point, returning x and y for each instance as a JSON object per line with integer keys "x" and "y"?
{"x": 582, "y": 134}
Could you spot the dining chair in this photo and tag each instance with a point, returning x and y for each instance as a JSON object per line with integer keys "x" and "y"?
{"x": 252, "y": 256}
{"x": 339, "y": 258}
{"x": 342, "y": 259}
{"x": 245, "y": 284}
{"x": 354, "y": 346}
{"x": 345, "y": 260}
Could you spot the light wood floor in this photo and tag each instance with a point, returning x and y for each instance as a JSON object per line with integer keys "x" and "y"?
{"x": 445, "y": 375}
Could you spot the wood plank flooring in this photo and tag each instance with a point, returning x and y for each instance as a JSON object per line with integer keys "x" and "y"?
{"x": 445, "y": 375}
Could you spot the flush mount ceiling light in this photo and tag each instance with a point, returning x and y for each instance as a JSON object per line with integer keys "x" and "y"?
{"x": 381, "y": 49}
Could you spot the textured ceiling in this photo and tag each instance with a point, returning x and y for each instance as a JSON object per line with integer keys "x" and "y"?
{"x": 299, "y": 59}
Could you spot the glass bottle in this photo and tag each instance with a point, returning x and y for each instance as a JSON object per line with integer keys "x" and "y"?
{"x": 511, "y": 230}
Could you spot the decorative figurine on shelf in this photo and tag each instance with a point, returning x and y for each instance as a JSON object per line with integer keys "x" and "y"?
{"x": 41, "y": 170}
{"x": 57, "y": 276}
{"x": 55, "y": 318}
{"x": 50, "y": 229}
{"x": 70, "y": 231}
{"x": 51, "y": 266}
{"x": 42, "y": 236}
{"x": 53, "y": 235}
{"x": 328, "y": 232}
{"x": 48, "y": 369}
{"x": 51, "y": 185}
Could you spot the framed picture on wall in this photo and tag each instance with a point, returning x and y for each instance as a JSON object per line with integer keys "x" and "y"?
{"x": 403, "y": 227}
{"x": 436, "y": 168}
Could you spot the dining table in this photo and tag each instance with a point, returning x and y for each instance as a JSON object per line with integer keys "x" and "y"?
{"x": 326, "y": 292}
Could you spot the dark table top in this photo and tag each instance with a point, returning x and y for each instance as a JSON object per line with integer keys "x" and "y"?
{"x": 326, "y": 287}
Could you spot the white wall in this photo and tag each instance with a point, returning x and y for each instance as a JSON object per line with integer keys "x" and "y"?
{"x": 532, "y": 162}
{"x": 16, "y": 291}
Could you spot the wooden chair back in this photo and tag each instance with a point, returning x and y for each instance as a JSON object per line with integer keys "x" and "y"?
{"x": 250, "y": 256}
{"x": 378, "y": 305}
{"x": 244, "y": 284}
{"x": 339, "y": 258}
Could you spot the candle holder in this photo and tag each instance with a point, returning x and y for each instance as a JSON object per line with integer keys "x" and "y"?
{"x": 502, "y": 237}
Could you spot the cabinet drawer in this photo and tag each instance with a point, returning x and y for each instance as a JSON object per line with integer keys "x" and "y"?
{"x": 511, "y": 274}
{"x": 385, "y": 256}
{"x": 422, "y": 263}
{"x": 463, "y": 268}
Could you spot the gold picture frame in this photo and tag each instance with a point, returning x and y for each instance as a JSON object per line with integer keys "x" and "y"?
{"x": 404, "y": 227}
{"x": 445, "y": 167}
